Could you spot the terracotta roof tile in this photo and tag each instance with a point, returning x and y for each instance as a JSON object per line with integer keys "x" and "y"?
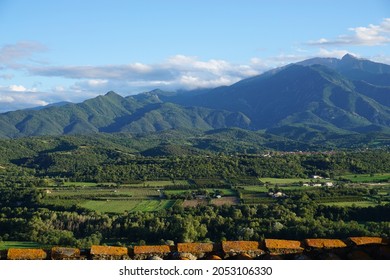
{"x": 279, "y": 246}
{"x": 367, "y": 240}
{"x": 195, "y": 247}
{"x": 283, "y": 244}
{"x": 325, "y": 243}
{"x": 241, "y": 246}
{"x": 148, "y": 249}
{"x": 26, "y": 254}
{"x": 108, "y": 250}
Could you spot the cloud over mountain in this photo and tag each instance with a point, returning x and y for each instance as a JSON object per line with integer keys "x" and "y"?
{"x": 178, "y": 71}
{"x": 371, "y": 35}
{"x": 315, "y": 98}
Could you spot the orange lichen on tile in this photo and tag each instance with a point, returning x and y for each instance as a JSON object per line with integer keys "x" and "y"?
{"x": 325, "y": 243}
{"x": 195, "y": 247}
{"x": 241, "y": 246}
{"x": 26, "y": 254}
{"x": 279, "y": 246}
{"x": 108, "y": 250}
{"x": 64, "y": 253}
{"x": 367, "y": 240}
{"x": 282, "y": 244}
{"x": 148, "y": 249}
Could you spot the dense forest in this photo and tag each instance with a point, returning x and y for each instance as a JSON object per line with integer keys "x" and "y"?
{"x": 125, "y": 158}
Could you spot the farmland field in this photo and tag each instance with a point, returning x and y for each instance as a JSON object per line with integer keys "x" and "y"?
{"x": 288, "y": 180}
{"x": 194, "y": 202}
{"x": 158, "y": 183}
{"x": 21, "y": 244}
{"x": 366, "y": 178}
{"x": 100, "y": 192}
{"x": 108, "y": 198}
{"x": 264, "y": 189}
{"x": 260, "y": 189}
{"x": 120, "y": 206}
{"x": 351, "y": 203}
{"x": 228, "y": 200}
{"x": 80, "y": 184}
{"x": 224, "y": 192}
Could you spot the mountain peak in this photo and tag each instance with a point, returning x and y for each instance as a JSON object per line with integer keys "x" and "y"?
{"x": 111, "y": 93}
{"x": 349, "y": 57}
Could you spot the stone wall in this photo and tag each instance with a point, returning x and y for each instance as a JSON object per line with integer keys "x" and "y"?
{"x": 353, "y": 248}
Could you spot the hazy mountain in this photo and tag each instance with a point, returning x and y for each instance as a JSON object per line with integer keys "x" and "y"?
{"x": 114, "y": 113}
{"x": 314, "y": 99}
{"x": 356, "y": 69}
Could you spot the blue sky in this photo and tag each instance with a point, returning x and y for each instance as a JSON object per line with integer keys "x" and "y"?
{"x": 73, "y": 50}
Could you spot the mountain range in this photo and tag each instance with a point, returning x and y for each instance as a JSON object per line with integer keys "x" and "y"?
{"x": 319, "y": 98}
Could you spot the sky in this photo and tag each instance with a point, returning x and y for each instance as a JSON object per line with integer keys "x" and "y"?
{"x": 72, "y": 50}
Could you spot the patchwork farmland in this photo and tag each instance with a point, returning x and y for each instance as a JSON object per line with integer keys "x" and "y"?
{"x": 149, "y": 196}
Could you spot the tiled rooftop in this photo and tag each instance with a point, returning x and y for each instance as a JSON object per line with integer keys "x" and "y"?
{"x": 354, "y": 248}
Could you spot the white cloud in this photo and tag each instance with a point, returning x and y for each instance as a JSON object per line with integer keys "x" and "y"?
{"x": 372, "y": 35}
{"x": 190, "y": 81}
{"x": 19, "y": 97}
{"x": 176, "y": 72}
{"x": 17, "y": 88}
{"x": 97, "y": 83}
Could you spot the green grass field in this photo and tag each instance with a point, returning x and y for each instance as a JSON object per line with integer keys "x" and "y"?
{"x": 153, "y": 205}
{"x": 256, "y": 189}
{"x": 120, "y": 206}
{"x": 21, "y": 244}
{"x": 350, "y": 203}
{"x": 367, "y": 178}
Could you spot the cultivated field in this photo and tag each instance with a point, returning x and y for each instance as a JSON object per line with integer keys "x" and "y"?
{"x": 228, "y": 200}
{"x": 157, "y": 195}
{"x": 367, "y": 178}
{"x": 121, "y": 206}
{"x": 5, "y": 245}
